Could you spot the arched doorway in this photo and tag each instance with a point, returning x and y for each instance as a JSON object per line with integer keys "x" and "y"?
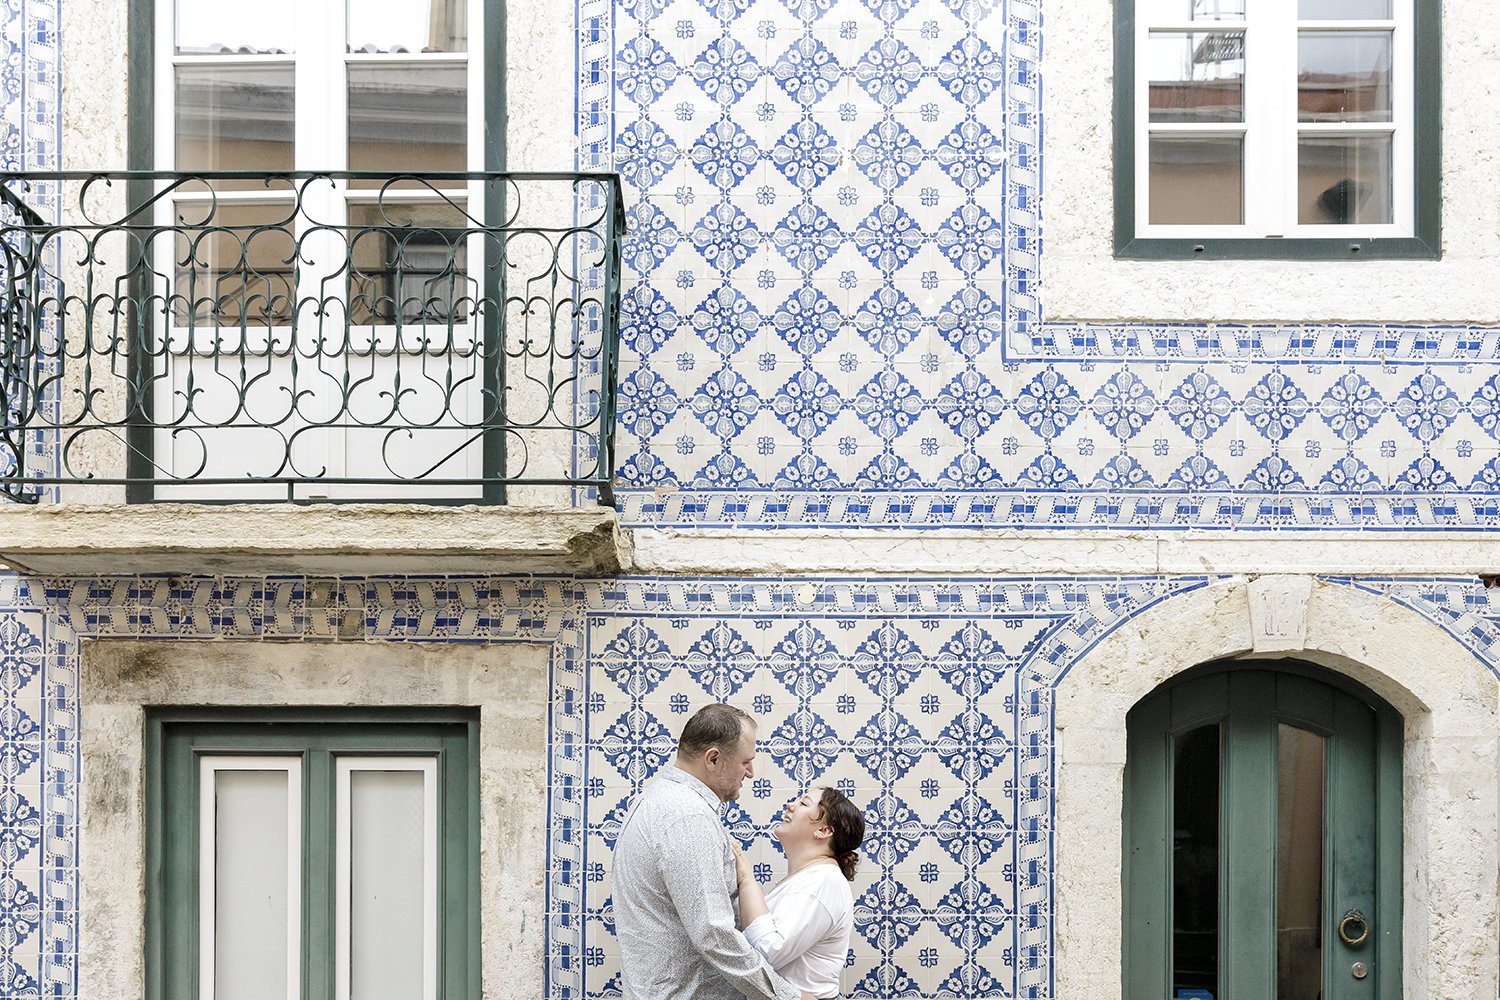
{"x": 1262, "y": 827}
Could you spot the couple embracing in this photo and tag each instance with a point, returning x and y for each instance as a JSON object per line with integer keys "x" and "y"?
{"x": 692, "y": 922}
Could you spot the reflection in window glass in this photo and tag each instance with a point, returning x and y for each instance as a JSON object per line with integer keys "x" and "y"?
{"x": 1299, "y": 864}
{"x": 408, "y": 25}
{"x": 1343, "y": 10}
{"x": 1175, "y": 11}
{"x": 1195, "y": 860}
{"x": 407, "y": 118}
{"x": 408, "y": 262}
{"x": 1197, "y": 180}
{"x": 1344, "y": 76}
{"x": 1344, "y": 179}
{"x": 236, "y": 117}
{"x": 1197, "y": 76}
{"x": 234, "y": 264}
{"x": 214, "y": 27}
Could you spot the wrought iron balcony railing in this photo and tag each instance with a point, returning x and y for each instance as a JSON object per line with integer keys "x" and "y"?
{"x": 443, "y": 337}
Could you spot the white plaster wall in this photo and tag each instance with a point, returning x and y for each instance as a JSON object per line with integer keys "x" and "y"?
{"x": 1082, "y": 280}
{"x": 508, "y": 684}
{"x": 1450, "y": 758}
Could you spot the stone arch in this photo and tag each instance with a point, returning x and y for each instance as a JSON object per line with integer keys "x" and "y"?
{"x": 1450, "y": 764}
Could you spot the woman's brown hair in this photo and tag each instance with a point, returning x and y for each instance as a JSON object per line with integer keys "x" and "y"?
{"x": 843, "y": 817}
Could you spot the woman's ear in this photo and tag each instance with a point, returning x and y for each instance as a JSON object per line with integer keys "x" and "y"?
{"x": 824, "y": 832}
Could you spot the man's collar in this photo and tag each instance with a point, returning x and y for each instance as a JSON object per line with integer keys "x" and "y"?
{"x": 677, "y": 775}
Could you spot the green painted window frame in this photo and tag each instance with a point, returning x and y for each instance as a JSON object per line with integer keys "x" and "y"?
{"x": 175, "y": 737}
{"x": 1424, "y": 244}
{"x": 1201, "y": 696}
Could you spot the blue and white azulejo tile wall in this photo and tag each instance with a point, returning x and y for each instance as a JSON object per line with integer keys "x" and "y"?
{"x": 836, "y": 309}
{"x": 930, "y": 701}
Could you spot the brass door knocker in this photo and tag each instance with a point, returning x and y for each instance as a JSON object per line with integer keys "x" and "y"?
{"x": 1354, "y": 928}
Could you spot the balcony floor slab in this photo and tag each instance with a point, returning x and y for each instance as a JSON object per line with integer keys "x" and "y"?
{"x": 324, "y": 539}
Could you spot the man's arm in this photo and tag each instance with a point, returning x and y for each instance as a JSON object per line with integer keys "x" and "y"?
{"x": 692, "y": 868}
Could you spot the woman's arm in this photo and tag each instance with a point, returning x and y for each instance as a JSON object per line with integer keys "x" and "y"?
{"x": 752, "y": 899}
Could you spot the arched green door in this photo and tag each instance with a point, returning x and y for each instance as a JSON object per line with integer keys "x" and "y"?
{"x": 1263, "y": 839}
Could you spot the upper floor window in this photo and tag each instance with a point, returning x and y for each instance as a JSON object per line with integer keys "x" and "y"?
{"x": 318, "y": 85}
{"x": 1276, "y": 128}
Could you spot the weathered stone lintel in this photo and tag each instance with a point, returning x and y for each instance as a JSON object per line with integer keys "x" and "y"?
{"x": 322, "y": 539}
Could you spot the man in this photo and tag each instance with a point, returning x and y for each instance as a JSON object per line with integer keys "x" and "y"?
{"x": 674, "y": 878}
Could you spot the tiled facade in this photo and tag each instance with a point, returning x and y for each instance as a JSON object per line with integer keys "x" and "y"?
{"x": 835, "y": 318}
{"x": 930, "y": 700}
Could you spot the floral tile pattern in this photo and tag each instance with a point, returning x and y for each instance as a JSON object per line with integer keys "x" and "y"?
{"x": 834, "y": 312}
{"x": 930, "y": 702}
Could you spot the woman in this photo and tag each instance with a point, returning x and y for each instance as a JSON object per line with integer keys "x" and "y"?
{"x": 803, "y": 925}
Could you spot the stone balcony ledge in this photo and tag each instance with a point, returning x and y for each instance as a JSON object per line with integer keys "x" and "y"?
{"x": 325, "y": 539}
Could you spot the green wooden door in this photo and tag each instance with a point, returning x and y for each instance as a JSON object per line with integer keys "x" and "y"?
{"x": 1262, "y": 840}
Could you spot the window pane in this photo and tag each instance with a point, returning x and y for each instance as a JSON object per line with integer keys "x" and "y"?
{"x": 387, "y": 884}
{"x": 407, "y": 118}
{"x": 408, "y": 25}
{"x": 1195, "y": 860}
{"x": 1196, "y": 180}
{"x": 1197, "y": 76}
{"x": 1299, "y": 864}
{"x": 234, "y": 265}
{"x": 1344, "y": 179}
{"x": 1341, "y": 10}
{"x": 234, "y": 117}
{"x": 409, "y": 260}
{"x": 1175, "y": 11}
{"x": 251, "y": 868}
{"x": 213, "y": 26}
{"x": 1344, "y": 76}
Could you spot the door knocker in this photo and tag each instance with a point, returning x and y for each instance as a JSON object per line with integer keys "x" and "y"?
{"x": 1354, "y": 928}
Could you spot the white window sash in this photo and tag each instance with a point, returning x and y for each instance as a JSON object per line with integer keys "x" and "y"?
{"x": 1271, "y": 129}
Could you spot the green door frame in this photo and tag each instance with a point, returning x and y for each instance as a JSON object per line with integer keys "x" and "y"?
{"x": 1362, "y": 844}
{"x": 176, "y": 737}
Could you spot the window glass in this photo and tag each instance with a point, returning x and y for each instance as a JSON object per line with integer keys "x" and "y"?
{"x": 408, "y": 118}
{"x": 234, "y": 263}
{"x": 408, "y": 261}
{"x": 1197, "y": 76}
{"x": 1195, "y": 860}
{"x": 1340, "y": 10}
{"x": 236, "y": 117}
{"x": 1197, "y": 180}
{"x": 1344, "y": 76}
{"x": 1175, "y": 11}
{"x": 252, "y": 862}
{"x": 215, "y": 27}
{"x": 1299, "y": 863}
{"x": 407, "y": 25}
{"x": 388, "y": 883}
{"x": 1344, "y": 179}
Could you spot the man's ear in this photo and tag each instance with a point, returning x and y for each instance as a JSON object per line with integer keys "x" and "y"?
{"x": 711, "y": 757}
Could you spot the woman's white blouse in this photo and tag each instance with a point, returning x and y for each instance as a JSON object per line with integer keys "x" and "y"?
{"x": 805, "y": 932}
